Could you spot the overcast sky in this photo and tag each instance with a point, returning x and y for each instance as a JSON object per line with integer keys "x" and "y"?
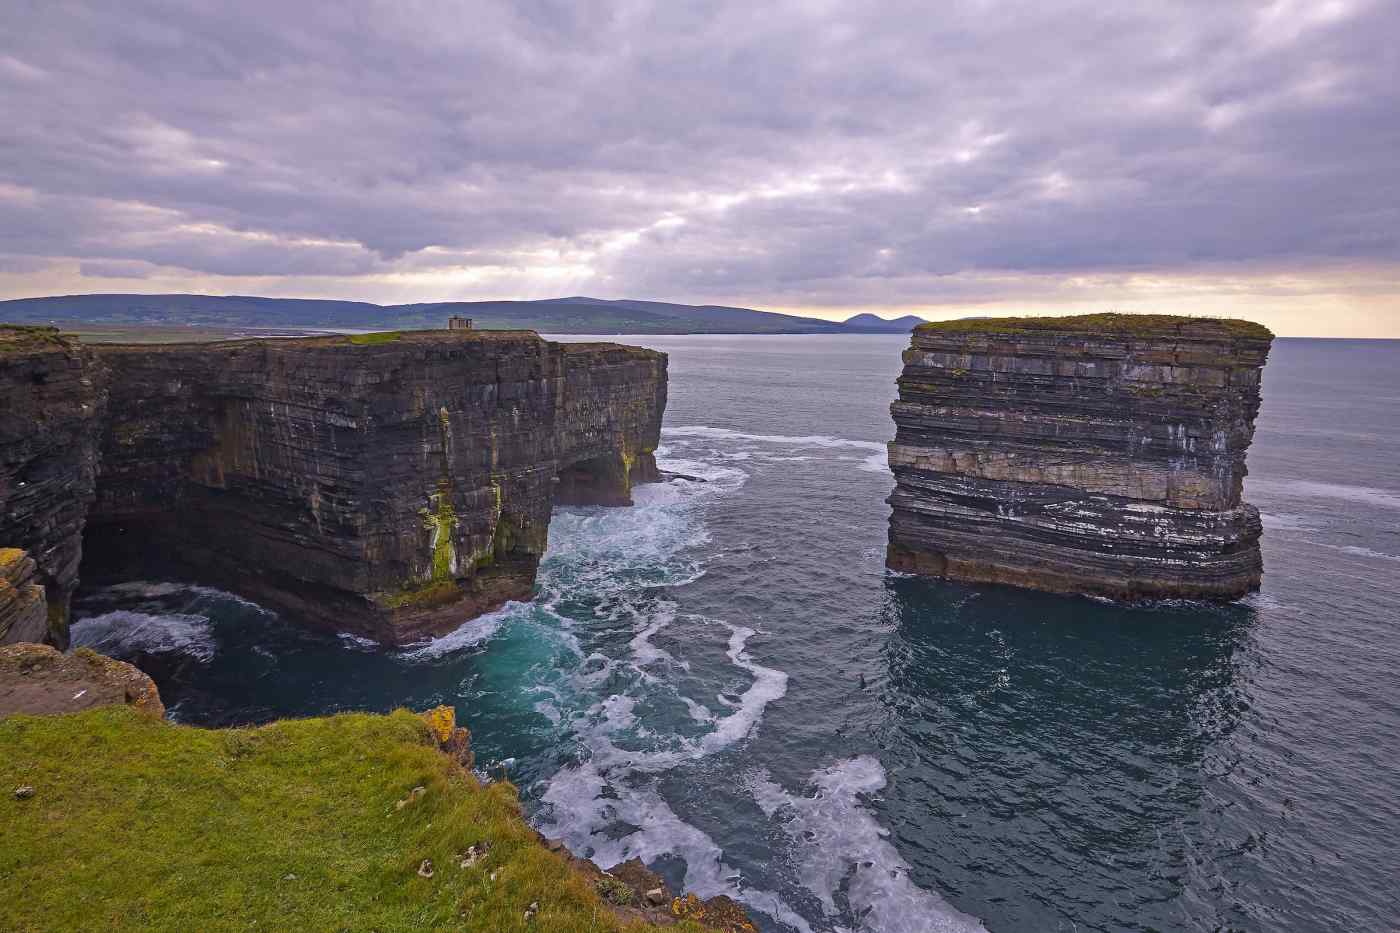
{"x": 827, "y": 158}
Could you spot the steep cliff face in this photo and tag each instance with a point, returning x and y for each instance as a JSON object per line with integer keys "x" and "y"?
{"x": 388, "y": 485}
{"x": 52, "y": 399}
{"x": 1100, "y": 454}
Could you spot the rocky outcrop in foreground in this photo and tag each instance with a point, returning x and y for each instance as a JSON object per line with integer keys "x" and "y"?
{"x": 1100, "y": 454}
{"x": 389, "y": 485}
{"x": 24, "y": 611}
{"x": 38, "y": 680}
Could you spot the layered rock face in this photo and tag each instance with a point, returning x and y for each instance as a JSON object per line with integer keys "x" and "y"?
{"x": 24, "y": 610}
{"x": 52, "y": 399}
{"x": 387, "y": 485}
{"x": 390, "y": 485}
{"x": 1100, "y": 454}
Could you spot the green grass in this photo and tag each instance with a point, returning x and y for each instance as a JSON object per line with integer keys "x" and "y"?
{"x": 369, "y": 340}
{"x": 1131, "y": 324}
{"x": 139, "y": 824}
{"x": 30, "y": 336}
{"x": 421, "y": 595}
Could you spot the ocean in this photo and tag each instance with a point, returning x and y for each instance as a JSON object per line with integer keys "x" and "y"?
{"x": 724, "y": 680}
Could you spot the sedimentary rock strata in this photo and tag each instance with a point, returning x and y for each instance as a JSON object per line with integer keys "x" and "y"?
{"x": 52, "y": 399}
{"x": 1101, "y": 454}
{"x": 24, "y": 611}
{"x": 389, "y": 485}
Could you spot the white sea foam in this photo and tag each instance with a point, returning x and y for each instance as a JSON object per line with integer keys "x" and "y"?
{"x": 471, "y": 633}
{"x": 146, "y": 589}
{"x": 644, "y": 652}
{"x": 357, "y": 642}
{"x": 768, "y": 685}
{"x": 1363, "y": 552}
{"x": 838, "y": 845}
{"x": 876, "y": 462}
{"x": 586, "y": 801}
{"x": 1381, "y": 498}
{"x": 124, "y": 632}
{"x": 620, "y": 707}
{"x": 1286, "y": 521}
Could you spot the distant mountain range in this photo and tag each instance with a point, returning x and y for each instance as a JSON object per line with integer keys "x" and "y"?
{"x": 576, "y": 315}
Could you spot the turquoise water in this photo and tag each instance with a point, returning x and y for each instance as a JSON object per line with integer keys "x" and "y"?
{"x": 724, "y": 680}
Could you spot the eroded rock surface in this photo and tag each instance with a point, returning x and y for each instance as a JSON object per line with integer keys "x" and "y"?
{"x": 24, "y": 614}
{"x": 388, "y": 485}
{"x": 40, "y": 680}
{"x": 52, "y": 399}
{"x": 1100, "y": 454}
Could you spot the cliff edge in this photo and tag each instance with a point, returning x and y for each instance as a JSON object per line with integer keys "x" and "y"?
{"x": 391, "y": 485}
{"x": 1100, "y": 454}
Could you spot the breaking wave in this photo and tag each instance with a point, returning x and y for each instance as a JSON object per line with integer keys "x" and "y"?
{"x": 124, "y": 633}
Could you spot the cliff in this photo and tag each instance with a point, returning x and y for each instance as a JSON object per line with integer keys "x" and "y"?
{"x": 1100, "y": 454}
{"x": 390, "y": 485}
{"x": 52, "y": 400}
{"x": 116, "y": 820}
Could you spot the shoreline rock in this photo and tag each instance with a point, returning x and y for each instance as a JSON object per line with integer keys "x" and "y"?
{"x": 1099, "y": 454}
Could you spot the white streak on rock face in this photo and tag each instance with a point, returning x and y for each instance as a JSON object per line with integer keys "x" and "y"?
{"x": 838, "y": 845}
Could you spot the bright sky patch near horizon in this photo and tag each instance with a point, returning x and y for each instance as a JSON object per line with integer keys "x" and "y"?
{"x": 1235, "y": 159}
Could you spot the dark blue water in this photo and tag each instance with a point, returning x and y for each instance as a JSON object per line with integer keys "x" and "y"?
{"x": 726, "y": 682}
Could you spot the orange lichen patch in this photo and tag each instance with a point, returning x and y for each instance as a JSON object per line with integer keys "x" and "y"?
{"x": 9, "y": 557}
{"x": 718, "y": 913}
{"x": 442, "y": 720}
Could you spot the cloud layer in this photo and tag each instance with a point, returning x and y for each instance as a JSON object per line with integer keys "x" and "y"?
{"x": 803, "y": 155}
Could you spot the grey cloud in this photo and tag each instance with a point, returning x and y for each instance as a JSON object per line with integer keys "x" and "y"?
{"x": 841, "y": 152}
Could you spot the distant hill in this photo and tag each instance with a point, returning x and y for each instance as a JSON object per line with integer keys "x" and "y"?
{"x": 870, "y": 322}
{"x": 575, "y": 315}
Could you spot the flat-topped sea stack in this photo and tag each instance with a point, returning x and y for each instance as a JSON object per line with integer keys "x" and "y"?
{"x": 1101, "y": 454}
{"x": 388, "y": 485}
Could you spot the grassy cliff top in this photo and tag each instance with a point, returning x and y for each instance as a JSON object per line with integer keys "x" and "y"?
{"x": 313, "y": 824}
{"x": 1108, "y": 324}
{"x": 28, "y": 337}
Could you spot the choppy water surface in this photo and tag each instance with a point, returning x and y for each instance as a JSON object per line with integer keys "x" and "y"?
{"x": 724, "y": 681}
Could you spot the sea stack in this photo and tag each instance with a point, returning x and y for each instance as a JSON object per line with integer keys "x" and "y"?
{"x": 1101, "y": 454}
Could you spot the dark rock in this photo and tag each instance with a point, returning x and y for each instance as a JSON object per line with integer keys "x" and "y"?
{"x": 52, "y": 400}
{"x": 38, "y": 679}
{"x": 1102, "y": 454}
{"x": 641, "y": 879}
{"x": 392, "y": 486}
